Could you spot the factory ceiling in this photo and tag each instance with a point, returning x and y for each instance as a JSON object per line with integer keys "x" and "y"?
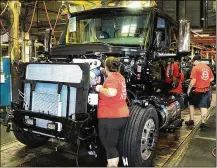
{"x": 35, "y": 13}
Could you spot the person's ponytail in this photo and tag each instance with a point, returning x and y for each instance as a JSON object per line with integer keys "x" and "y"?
{"x": 113, "y": 64}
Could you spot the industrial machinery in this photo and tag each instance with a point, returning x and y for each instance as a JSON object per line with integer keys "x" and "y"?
{"x": 5, "y": 87}
{"x": 58, "y": 98}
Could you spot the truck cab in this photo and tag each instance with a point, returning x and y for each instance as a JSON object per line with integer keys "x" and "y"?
{"x": 58, "y": 98}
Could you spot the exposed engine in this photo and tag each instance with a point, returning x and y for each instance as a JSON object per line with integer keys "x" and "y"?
{"x": 170, "y": 113}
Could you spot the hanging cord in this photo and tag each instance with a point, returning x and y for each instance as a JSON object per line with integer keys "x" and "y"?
{"x": 2, "y": 25}
{"x": 77, "y": 153}
{"x": 33, "y": 15}
{"x": 55, "y": 42}
{"x": 45, "y": 7}
{"x": 214, "y": 152}
{"x": 53, "y": 30}
{"x": 4, "y": 8}
{"x": 56, "y": 19}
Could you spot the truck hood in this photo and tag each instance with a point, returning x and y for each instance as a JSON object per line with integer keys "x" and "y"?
{"x": 62, "y": 52}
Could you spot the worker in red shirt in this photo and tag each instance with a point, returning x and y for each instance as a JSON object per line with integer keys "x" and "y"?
{"x": 199, "y": 91}
{"x": 171, "y": 76}
{"x": 113, "y": 111}
{"x": 178, "y": 91}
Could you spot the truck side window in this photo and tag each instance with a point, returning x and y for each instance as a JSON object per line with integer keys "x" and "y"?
{"x": 161, "y": 30}
{"x": 174, "y": 37}
{"x": 174, "y": 33}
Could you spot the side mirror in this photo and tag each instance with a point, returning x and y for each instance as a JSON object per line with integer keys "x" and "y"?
{"x": 184, "y": 36}
{"x": 47, "y": 40}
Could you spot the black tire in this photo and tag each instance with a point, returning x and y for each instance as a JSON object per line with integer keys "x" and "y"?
{"x": 27, "y": 138}
{"x": 86, "y": 160}
{"x": 132, "y": 137}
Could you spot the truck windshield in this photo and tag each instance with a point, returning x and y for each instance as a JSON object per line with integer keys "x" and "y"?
{"x": 125, "y": 28}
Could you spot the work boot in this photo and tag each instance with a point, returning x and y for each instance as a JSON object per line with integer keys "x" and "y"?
{"x": 203, "y": 127}
{"x": 189, "y": 123}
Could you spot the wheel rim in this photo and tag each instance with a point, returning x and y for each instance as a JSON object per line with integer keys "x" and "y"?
{"x": 147, "y": 139}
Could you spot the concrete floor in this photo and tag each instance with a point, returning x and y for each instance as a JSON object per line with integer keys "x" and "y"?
{"x": 5, "y": 136}
{"x": 199, "y": 152}
{"x": 13, "y": 153}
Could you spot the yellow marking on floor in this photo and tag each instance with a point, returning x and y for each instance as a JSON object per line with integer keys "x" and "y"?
{"x": 165, "y": 157}
{"x": 9, "y": 145}
{"x": 205, "y": 138}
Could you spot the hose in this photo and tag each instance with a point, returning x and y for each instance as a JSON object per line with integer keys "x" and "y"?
{"x": 33, "y": 14}
{"x": 2, "y": 25}
{"x": 55, "y": 42}
{"x": 56, "y": 19}
{"x": 45, "y": 7}
{"x": 77, "y": 153}
{"x": 213, "y": 152}
{"x": 5, "y": 8}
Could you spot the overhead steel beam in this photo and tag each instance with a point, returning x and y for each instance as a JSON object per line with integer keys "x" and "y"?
{"x": 177, "y": 10}
{"x": 42, "y": 9}
{"x": 204, "y": 40}
{"x": 206, "y": 14}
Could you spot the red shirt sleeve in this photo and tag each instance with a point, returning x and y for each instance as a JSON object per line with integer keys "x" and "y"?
{"x": 194, "y": 73}
{"x": 111, "y": 83}
{"x": 182, "y": 77}
{"x": 175, "y": 70}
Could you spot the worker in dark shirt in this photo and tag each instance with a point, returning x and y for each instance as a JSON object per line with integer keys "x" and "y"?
{"x": 199, "y": 91}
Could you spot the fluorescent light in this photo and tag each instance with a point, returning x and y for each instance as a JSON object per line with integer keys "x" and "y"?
{"x": 204, "y": 35}
{"x": 134, "y": 5}
{"x": 197, "y": 30}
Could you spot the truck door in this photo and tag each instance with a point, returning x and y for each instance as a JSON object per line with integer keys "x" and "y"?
{"x": 162, "y": 35}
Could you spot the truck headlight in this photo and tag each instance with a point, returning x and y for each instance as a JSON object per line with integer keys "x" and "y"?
{"x": 52, "y": 126}
{"x": 30, "y": 121}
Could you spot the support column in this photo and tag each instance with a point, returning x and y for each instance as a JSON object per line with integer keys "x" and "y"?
{"x": 25, "y": 48}
{"x": 14, "y": 50}
{"x": 192, "y": 52}
{"x": 15, "y": 53}
{"x": 177, "y": 10}
{"x": 202, "y": 13}
{"x": 206, "y": 13}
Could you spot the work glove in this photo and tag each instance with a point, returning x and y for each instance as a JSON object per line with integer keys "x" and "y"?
{"x": 98, "y": 87}
{"x": 175, "y": 83}
{"x": 188, "y": 92}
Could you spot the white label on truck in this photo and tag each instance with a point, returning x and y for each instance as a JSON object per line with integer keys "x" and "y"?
{"x": 2, "y": 78}
{"x": 93, "y": 99}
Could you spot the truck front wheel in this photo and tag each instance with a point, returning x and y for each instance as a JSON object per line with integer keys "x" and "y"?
{"x": 27, "y": 138}
{"x": 140, "y": 136}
